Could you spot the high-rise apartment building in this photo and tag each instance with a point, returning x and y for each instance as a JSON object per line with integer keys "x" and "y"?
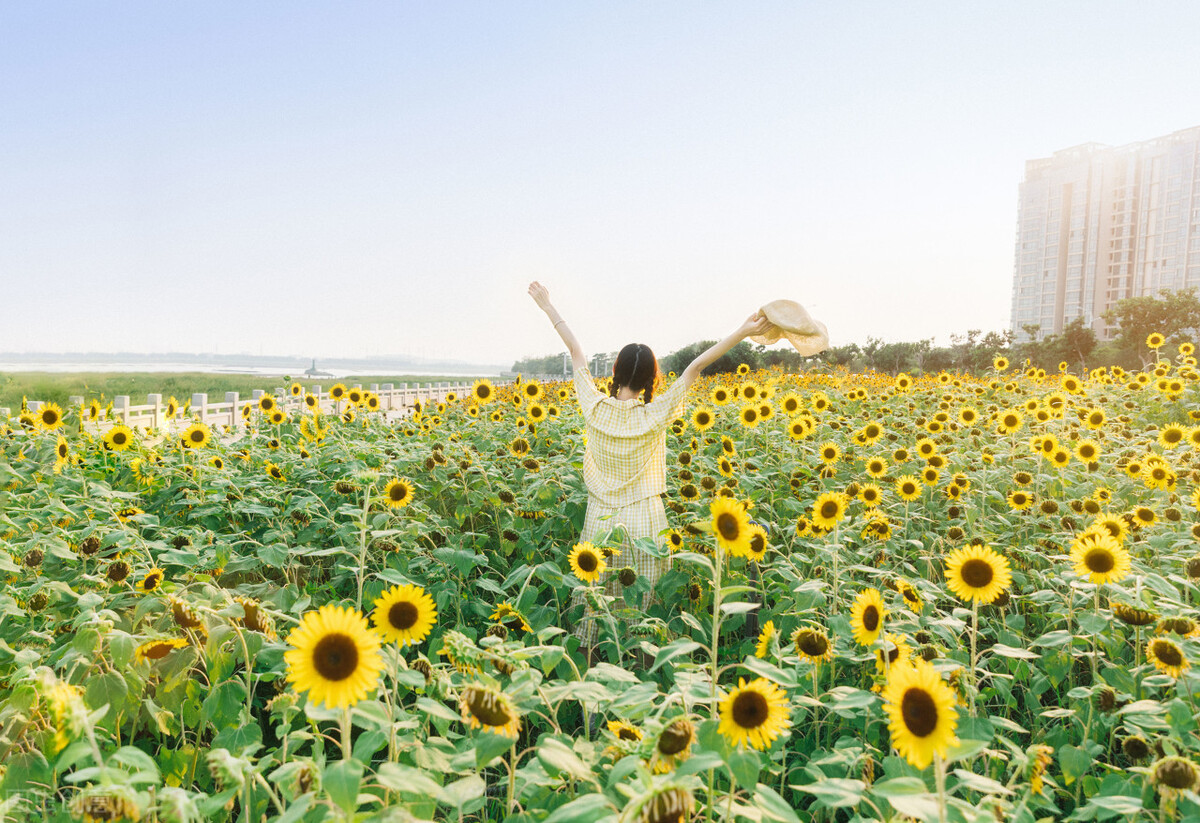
{"x": 1097, "y": 224}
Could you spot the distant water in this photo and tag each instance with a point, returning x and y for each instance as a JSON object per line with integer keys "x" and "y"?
{"x": 211, "y": 368}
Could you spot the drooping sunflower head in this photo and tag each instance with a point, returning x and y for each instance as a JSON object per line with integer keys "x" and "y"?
{"x": 404, "y": 614}
{"x": 921, "y": 713}
{"x": 1167, "y": 656}
{"x": 334, "y": 656}
{"x": 489, "y": 709}
{"x": 157, "y": 649}
{"x": 812, "y": 645}
{"x": 151, "y": 581}
{"x": 1175, "y": 775}
{"x": 754, "y": 713}
{"x": 674, "y": 744}
{"x": 977, "y": 573}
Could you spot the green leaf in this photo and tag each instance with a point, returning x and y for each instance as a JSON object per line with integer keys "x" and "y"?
{"x": 674, "y": 649}
{"x": 341, "y": 781}
{"x": 584, "y": 809}
{"x": 836, "y": 792}
{"x": 745, "y": 765}
{"x": 489, "y": 746}
{"x": 407, "y": 780}
{"x": 739, "y": 608}
{"x": 1074, "y": 762}
{"x": 772, "y": 805}
{"x": 558, "y": 759}
{"x": 1014, "y": 652}
{"x": 899, "y": 787}
{"x": 461, "y": 793}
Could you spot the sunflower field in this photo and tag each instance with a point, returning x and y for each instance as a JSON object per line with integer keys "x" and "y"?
{"x": 944, "y": 597}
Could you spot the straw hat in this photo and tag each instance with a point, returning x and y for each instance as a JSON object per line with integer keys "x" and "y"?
{"x": 789, "y": 319}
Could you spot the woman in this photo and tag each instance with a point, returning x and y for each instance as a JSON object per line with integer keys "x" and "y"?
{"x": 624, "y": 464}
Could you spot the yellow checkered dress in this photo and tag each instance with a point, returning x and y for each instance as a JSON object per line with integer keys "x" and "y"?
{"x": 624, "y": 468}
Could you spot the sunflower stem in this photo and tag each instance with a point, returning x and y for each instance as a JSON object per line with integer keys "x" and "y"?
{"x": 345, "y": 724}
{"x": 939, "y": 776}
{"x": 974, "y": 637}
{"x": 362, "y": 546}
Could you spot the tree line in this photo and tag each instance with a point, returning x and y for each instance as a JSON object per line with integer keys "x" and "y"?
{"x": 1173, "y": 314}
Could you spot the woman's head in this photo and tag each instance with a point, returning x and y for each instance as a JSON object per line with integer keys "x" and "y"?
{"x": 636, "y": 368}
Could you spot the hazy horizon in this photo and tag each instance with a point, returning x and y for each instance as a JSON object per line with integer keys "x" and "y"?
{"x": 371, "y": 178}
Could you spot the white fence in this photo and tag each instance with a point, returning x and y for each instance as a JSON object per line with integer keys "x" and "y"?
{"x": 394, "y": 401}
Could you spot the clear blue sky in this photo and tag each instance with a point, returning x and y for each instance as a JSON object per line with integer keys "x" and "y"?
{"x": 357, "y": 178}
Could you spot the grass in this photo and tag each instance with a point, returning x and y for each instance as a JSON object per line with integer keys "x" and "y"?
{"x": 56, "y": 387}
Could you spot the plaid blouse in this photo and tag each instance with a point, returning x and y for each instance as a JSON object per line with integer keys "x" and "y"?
{"x": 624, "y": 461}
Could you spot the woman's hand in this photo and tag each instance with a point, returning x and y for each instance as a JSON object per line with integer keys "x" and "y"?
{"x": 540, "y": 295}
{"x": 755, "y": 325}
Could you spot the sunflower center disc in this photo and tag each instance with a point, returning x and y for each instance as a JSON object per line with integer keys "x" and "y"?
{"x": 398, "y": 493}
{"x": 627, "y": 734}
{"x": 829, "y": 510}
{"x": 1176, "y": 773}
{"x": 403, "y": 615}
{"x": 586, "y": 561}
{"x": 727, "y": 525}
{"x": 197, "y": 437}
{"x": 813, "y": 644}
{"x": 757, "y": 544}
{"x": 919, "y": 712}
{"x": 335, "y": 657}
{"x": 750, "y": 710}
{"x": 1099, "y": 561}
{"x": 1167, "y": 653}
{"x": 870, "y": 618}
{"x": 977, "y": 573}
{"x": 158, "y": 651}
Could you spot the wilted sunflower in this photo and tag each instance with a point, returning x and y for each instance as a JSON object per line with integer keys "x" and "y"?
{"x": 334, "y": 656}
{"x": 49, "y": 416}
{"x": 674, "y": 745}
{"x": 754, "y": 713}
{"x": 1167, "y": 656}
{"x": 119, "y": 437}
{"x": 1174, "y": 775}
{"x": 1099, "y": 557}
{"x": 866, "y": 617}
{"x": 920, "y": 710}
{"x": 812, "y": 645}
{"x": 586, "y": 562}
{"x": 157, "y": 649}
{"x": 151, "y": 581}
{"x": 398, "y": 494}
{"x": 731, "y": 525}
{"x": 1132, "y": 615}
{"x": 489, "y": 709}
{"x": 508, "y": 615}
{"x": 196, "y": 436}
{"x": 404, "y": 614}
{"x": 977, "y": 573}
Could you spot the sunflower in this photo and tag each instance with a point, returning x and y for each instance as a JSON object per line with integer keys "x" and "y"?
{"x": 1009, "y": 421}
{"x": 870, "y": 494}
{"x": 118, "y": 438}
{"x": 354, "y": 395}
{"x": 812, "y": 645}
{"x": 1019, "y": 500}
{"x": 510, "y": 617}
{"x": 337, "y": 391}
{"x": 1000, "y": 364}
{"x": 586, "y": 562}
{"x": 764, "y": 639}
{"x": 273, "y": 471}
{"x": 62, "y": 453}
{"x": 877, "y": 467}
{"x": 157, "y": 649}
{"x": 334, "y": 656}
{"x": 277, "y": 416}
{"x": 673, "y": 745}
{"x": 749, "y": 416}
{"x": 151, "y": 581}
{"x": 1155, "y": 340}
{"x": 920, "y": 710}
{"x": 196, "y": 436}
{"x": 1167, "y": 656}
{"x": 127, "y": 513}
{"x": 1099, "y": 557}
{"x": 1087, "y": 450}
{"x": 49, "y": 416}
{"x": 977, "y": 573}
{"x": 266, "y": 403}
{"x": 758, "y": 543}
{"x": 866, "y": 617}
{"x": 398, "y": 493}
{"x": 829, "y": 452}
{"x": 519, "y": 446}
{"x": 754, "y": 713}
{"x": 536, "y": 412}
{"x": 489, "y": 709}
{"x": 829, "y": 509}
{"x": 908, "y": 488}
{"x": 731, "y": 525}
{"x": 703, "y": 418}
{"x": 404, "y": 614}
{"x": 912, "y": 599}
{"x": 624, "y": 730}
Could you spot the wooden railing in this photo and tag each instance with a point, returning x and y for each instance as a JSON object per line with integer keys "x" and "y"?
{"x": 395, "y": 401}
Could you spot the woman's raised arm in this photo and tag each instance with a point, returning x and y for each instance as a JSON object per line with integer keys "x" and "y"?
{"x": 755, "y": 324}
{"x": 541, "y": 296}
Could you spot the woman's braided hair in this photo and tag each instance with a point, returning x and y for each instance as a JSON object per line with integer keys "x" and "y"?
{"x": 637, "y": 368}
